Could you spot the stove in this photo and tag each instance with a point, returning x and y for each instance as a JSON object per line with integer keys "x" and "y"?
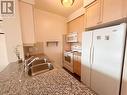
{"x": 68, "y": 60}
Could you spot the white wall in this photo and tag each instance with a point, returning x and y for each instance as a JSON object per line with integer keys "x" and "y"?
{"x": 3, "y": 52}
{"x": 11, "y": 27}
{"x": 50, "y": 27}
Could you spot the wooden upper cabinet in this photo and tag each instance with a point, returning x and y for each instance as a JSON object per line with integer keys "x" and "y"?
{"x": 87, "y": 2}
{"x": 92, "y": 15}
{"x": 104, "y": 11}
{"x": 112, "y": 10}
{"x": 77, "y": 25}
{"x": 27, "y": 23}
{"x": 124, "y": 8}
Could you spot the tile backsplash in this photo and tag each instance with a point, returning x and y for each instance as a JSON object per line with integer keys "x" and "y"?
{"x": 36, "y": 49}
{"x": 76, "y": 47}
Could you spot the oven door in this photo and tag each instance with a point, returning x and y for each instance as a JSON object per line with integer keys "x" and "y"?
{"x": 68, "y": 59}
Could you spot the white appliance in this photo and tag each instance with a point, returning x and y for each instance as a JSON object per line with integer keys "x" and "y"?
{"x": 3, "y": 52}
{"x": 124, "y": 78}
{"x": 68, "y": 60}
{"x": 102, "y": 59}
{"x": 72, "y": 37}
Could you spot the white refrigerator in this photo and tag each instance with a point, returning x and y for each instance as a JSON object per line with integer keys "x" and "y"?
{"x": 102, "y": 59}
{"x": 124, "y": 78}
{"x": 3, "y": 51}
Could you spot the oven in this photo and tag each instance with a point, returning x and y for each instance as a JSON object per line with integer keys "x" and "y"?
{"x": 68, "y": 60}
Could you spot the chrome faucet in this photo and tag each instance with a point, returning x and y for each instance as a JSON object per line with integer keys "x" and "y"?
{"x": 36, "y": 58}
{"x": 28, "y": 62}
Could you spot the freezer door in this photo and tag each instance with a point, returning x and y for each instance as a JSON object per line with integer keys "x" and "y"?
{"x": 108, "y": 48}
{"x": 3, "y": 53}
{"x": 86, "y": 57}
{"x": 124, "y": 79}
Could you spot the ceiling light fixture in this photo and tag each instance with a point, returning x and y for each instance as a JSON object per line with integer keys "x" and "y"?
{"x": 67, "y": 3}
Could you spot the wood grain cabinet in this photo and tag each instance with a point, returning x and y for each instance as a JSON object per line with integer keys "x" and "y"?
{"x": 105, "y": 11}
{"x": 112, "y": 10}
{"x": 93, "y": 14}
{"x": 124, "y": 8}
{"x": 87, "y": 2}
{"x": 77, "y": 64}
{"x": 27, "y": 23}
{"x": 77, "y": 25}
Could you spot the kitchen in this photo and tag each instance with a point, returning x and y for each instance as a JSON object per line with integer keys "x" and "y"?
{"x": 58, "y": 32}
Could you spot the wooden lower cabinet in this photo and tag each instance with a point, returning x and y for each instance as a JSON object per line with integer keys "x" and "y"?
{"x": 77, "y": 64}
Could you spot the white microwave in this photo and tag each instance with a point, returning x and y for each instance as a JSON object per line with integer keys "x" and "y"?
{"x": 72, "y": 37}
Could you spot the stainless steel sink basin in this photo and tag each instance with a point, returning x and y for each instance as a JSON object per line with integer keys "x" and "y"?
{"x": 40, "y": 61}
{"x": 39, "y": 65}
{"x": 40, "y": 68}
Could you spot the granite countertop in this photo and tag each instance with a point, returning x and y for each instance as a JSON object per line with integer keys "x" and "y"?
{"x": 54, "y": 82}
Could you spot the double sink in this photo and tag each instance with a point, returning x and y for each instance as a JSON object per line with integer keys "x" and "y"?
{"x": 38, "y": 65}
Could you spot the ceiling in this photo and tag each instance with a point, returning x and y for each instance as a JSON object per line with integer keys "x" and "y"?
{"x": 55, "y": 6}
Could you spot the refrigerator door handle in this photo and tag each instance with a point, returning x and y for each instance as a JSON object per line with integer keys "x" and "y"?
{"x": 90, "y": 60}
{"x": 92, "y": 55}
{"x": 91, "y": 51}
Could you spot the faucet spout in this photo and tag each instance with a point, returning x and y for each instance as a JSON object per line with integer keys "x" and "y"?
{"x": 32, "y": 61}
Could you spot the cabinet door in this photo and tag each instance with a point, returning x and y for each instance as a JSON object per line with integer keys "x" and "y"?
{"x": 124, "y": 8}
{"x": 27, "y": 23}
{"x": 112, "y": 10}
{"x": 77, "y": 64}
{"x": 77, "y": 25}
{"x": 93, "y": 14}
{"x": 88, "y": 2}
